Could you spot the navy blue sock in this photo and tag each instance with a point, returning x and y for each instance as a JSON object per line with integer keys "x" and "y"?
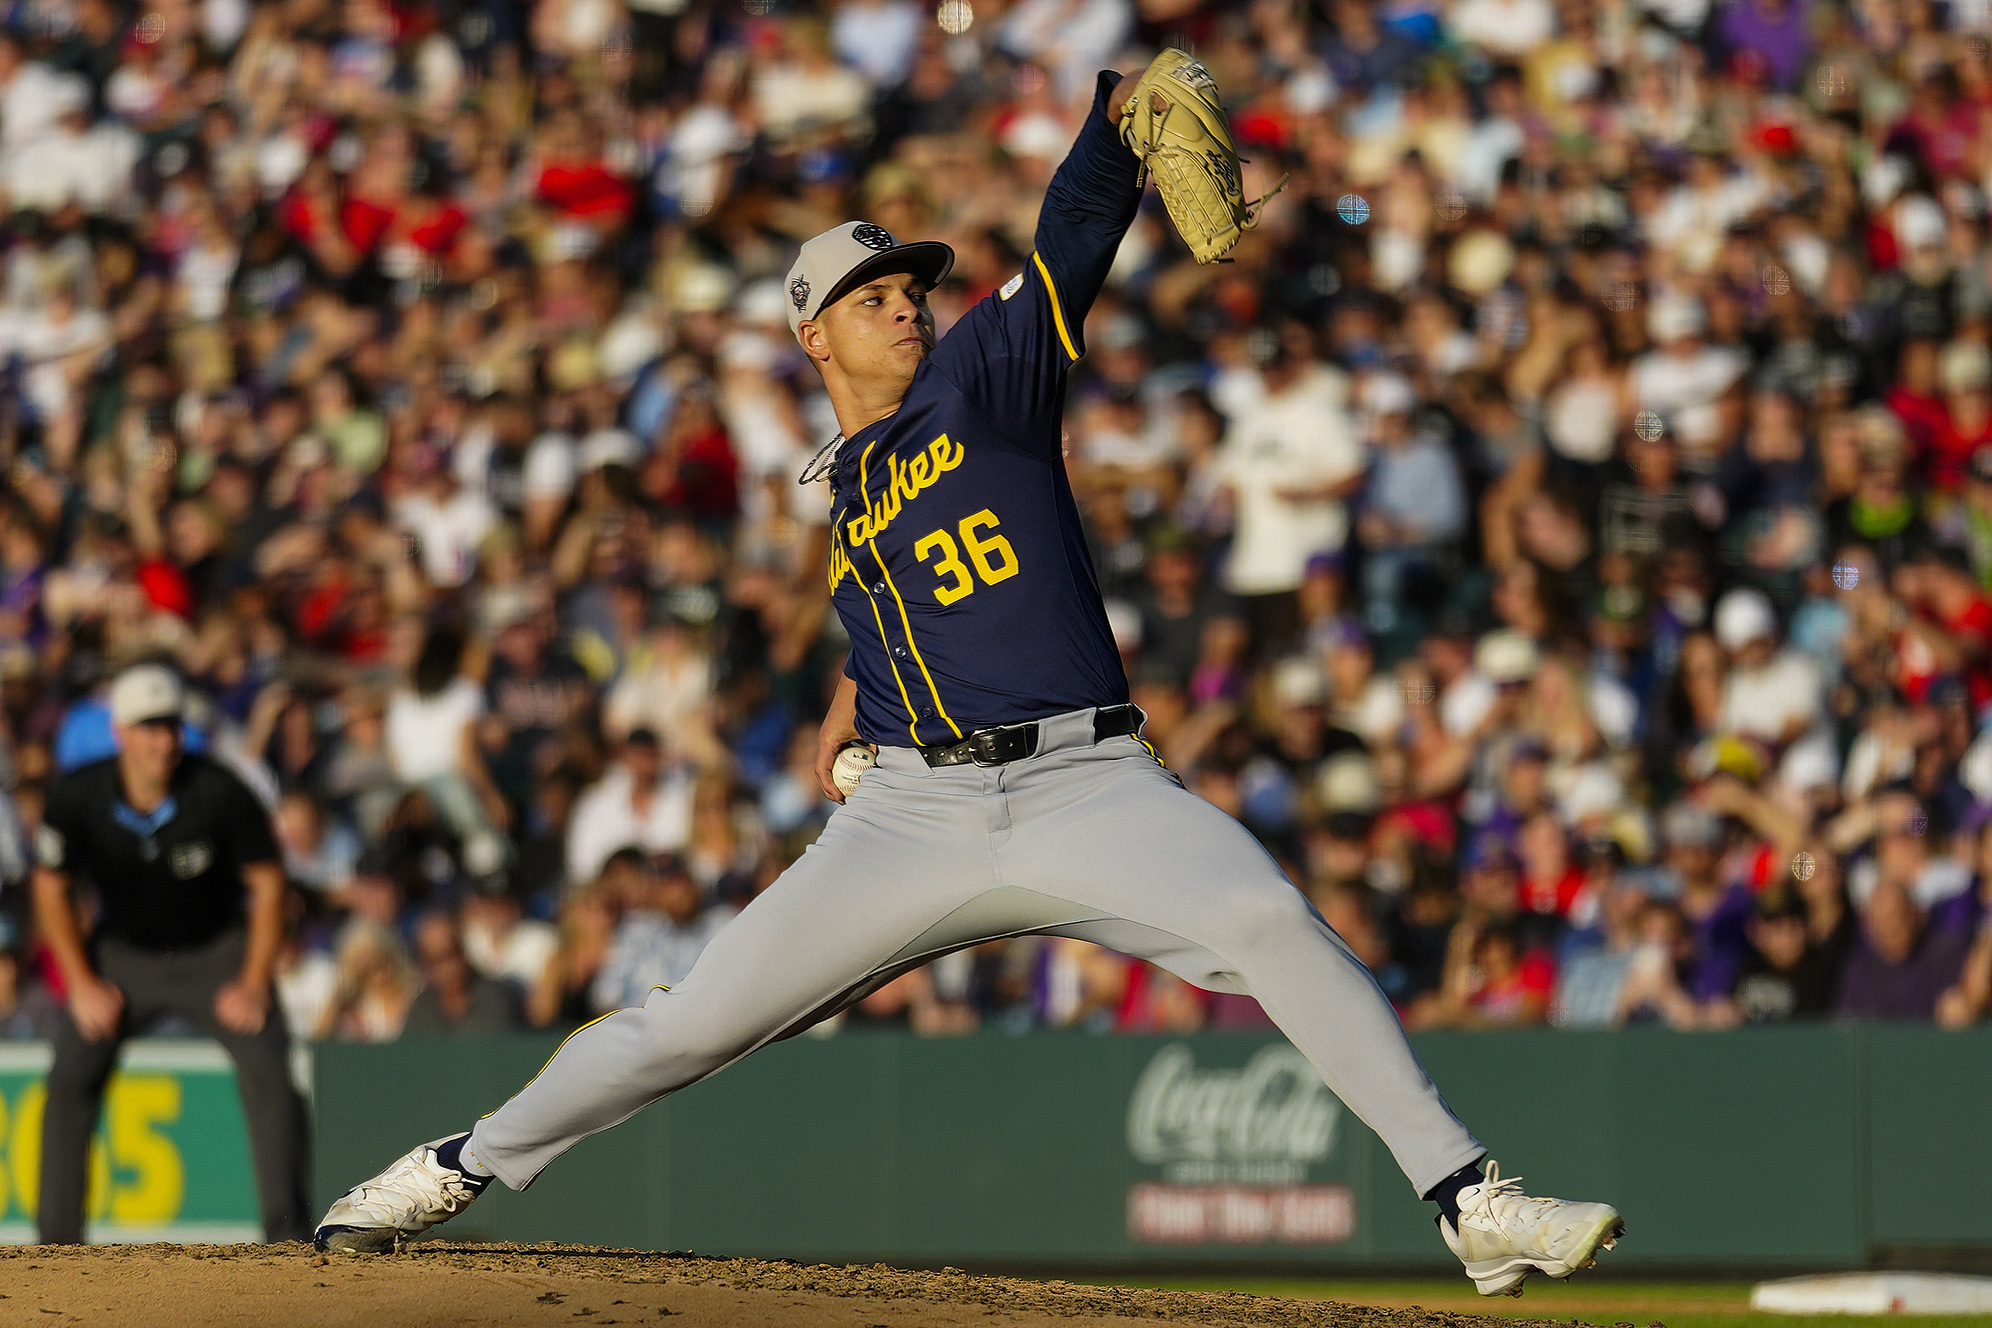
{"x": 1446, "y": 1193}
{"x": 450, "y": 1154}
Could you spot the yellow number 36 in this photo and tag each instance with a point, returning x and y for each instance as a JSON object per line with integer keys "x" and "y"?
{"x": 992, "y": 555}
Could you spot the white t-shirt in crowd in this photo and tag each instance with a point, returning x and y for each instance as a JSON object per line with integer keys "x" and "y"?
{"x": 1301, "y": 438}
{"x": 876, "y": 37}
{"x": 549, "y": 470}
{"x": 28, "y": 105}
{"x": 1693, "y": 220}
{"x": 605, "y": 820}
{"x": 450, "y": 531}
{"x": 203, "y": 277}
{"x": 305, "y": 991}
{"x": 661, "y": 697}
{"x": 1581, "y": 419}
{"x": 1686, "y": 387}
{"x": 1465, "y": 702}
{"x": 425, "y": 733}
{"x": 1763, "y": 702}
{"x": 1513, "y": 26}
{"x": 91, "y": 169}
{"x": 44, "y": 342}
{"x": 520, "y": 955}
{"x": 1940, "y": 879}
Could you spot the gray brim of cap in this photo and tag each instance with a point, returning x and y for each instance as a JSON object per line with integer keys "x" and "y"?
{"x": 930, "y": 260}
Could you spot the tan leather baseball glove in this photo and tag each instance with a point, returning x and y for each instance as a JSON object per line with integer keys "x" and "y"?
{"x": 1175, "y": 125}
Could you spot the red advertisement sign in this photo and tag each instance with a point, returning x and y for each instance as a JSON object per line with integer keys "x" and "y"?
{"x": 1164, "y": 1214}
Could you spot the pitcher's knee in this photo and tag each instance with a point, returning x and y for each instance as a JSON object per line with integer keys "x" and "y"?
{"x": 681, "y": 1038}
{"x": 1267, "y": 914}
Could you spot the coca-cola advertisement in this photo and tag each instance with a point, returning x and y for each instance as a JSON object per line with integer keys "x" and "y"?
{"x": 1236, "y": 1149}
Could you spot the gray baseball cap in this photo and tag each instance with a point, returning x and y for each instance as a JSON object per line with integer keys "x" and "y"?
{"x": 835, "y": 261}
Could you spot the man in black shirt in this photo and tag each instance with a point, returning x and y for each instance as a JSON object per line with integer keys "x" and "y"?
{"x": 170, "y": 840}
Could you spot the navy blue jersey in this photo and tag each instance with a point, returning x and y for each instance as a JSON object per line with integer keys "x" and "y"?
{"x": 957, "y": 560}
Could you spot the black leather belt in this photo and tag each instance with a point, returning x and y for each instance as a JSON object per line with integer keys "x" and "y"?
{"x": 1013, "y": 742}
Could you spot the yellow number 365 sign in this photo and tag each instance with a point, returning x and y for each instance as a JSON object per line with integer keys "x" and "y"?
{"x": 171, "y": 1158}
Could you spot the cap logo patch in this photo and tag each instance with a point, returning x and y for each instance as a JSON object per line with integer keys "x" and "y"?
{"x": 799, "y": 292}
{"x": 874, "y": 237}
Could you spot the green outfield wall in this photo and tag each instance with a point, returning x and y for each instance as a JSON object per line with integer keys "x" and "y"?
{"x": 1788, "y": 1147}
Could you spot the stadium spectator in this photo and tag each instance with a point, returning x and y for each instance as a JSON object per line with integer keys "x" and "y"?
{"x": 1655, "y": 987}
{"x": 665, "y": 926}
{"x": 588, "y": 922}
{"x": 1596, "y": 963}
{"x": 455, "y": 997}
{"x": 501, "y": 943}
{"x": 318, "y": 854}
{"x": 307, "y": 978}
{"x": 377, "y": 982}
{"x": 639, "y": 801}
{"x": 26, "y": 1009}
{"x": 1770, "y": 695}
{"x": 1786, "y": 976}
{"x": 1971, "y": 999}
{"x": 1900, "y": 966}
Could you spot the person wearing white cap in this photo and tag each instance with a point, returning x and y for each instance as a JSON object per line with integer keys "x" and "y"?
{"x": 172, "y": 842}
{"x": 993, "y": 778}
{"x": 1683, "y": 378}
{"x": 1772, "y": 695}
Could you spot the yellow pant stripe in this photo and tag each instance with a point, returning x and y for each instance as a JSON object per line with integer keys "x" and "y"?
{"x": 549, "y": 1060}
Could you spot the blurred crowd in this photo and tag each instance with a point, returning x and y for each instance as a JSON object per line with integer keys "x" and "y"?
{"x": 1562, "y": 535}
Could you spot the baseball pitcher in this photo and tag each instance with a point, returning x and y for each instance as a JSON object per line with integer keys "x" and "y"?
{"x": 1012, "y": 793}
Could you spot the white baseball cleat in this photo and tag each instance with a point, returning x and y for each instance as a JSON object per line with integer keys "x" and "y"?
{"x": 414, "y": 1194}
{"x": 1504, "y": 1235}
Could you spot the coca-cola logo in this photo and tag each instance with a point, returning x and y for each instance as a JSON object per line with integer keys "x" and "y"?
{"x": 1266, "y": 1122}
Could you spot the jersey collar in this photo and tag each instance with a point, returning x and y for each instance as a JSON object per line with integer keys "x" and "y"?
{"x": 145, "y": 826}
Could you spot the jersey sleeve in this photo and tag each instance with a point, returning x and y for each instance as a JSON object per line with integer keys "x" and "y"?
{"x": 63, "y": 835}
{"x": 1011, "y": 351}
{"x": 249, "y": 836}
{"x": 1009, "y": 354}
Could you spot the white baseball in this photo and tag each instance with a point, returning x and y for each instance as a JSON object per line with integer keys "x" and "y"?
{"x": 850, "y": 767}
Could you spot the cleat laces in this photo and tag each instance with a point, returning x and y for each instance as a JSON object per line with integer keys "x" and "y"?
{"x": 1501, "y": 1202}
{"x": 412, "y": 1190}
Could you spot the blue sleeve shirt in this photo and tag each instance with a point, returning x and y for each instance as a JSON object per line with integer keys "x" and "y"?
{"x": 957, "y": 562}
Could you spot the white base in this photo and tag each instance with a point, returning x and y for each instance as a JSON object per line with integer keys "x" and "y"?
{"x": 1875, "y": 1293}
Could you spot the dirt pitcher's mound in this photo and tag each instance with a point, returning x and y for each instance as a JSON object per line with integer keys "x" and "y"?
{"x": 571, "y": 1286}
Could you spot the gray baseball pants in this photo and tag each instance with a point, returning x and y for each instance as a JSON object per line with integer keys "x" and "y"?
{"x": 1090, "y": 840}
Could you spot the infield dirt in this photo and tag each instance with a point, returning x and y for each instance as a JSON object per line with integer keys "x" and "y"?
{"x": 570, "y": 1286}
